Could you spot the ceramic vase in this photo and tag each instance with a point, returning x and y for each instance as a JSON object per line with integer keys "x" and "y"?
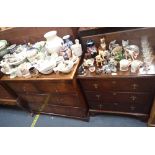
{"x": 53, "y": 42}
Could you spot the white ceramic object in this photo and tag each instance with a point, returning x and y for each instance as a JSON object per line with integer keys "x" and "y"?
{"x": 76, "y": 48}
{"x": 67, "y": 67}
{"x": 124, "y": 65}
{"x": 46, "y": 67}
{"x": 135, "y": 65}
{"x": 53, "y": 42}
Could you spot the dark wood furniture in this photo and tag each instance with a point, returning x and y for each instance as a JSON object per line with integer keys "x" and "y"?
{"x": 56, "y": 94}
{"x": 7, "y": 97}
{"x": 124, "y": 93}
{"x": 151, "y": 121}
{"x": 20, "y": 35}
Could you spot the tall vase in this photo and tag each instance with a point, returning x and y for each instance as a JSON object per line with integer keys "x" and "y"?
{"x": 53, "y": 42}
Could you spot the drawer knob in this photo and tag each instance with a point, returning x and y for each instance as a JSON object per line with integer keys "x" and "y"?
{"x": 134, "y": 86}
{"x": 132, "y": 108}
{"x": 133, "y": 98}
{"x": 95, "y": 85}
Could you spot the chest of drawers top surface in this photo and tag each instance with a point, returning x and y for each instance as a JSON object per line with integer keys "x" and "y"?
{"x": 42, "y": 77}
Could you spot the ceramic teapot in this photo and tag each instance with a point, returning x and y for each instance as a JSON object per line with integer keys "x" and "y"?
{"x": 53, "y": 43}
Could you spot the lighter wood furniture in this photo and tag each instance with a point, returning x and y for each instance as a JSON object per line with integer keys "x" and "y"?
{"x": 56, "y": 94}
{"x": 123, "y": 93}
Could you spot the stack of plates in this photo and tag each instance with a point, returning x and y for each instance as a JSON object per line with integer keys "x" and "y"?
{"x": 3, "y": 44}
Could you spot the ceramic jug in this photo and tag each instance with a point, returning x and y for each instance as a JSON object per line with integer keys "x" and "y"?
{"x": 53, "y": 42}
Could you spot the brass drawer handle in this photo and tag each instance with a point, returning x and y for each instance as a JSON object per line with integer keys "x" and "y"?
{"x": 114, "y": 93}
{"x": 115, "y": 104}
{"x": 133, "y": 98}
{"x": 98, "y": 96}
{"x": 113, "y": 82}
{"x": 134, "y": 86}
{"x": 132, "y": 108}
{"x": 24, "y": 89}
{"x": 95, "y": 85}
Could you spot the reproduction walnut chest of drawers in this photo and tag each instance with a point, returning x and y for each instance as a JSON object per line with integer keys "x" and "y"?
{"x": 55, "y": 94}
{"x": 133, "y": 96}
{"x": 124, "y": 92}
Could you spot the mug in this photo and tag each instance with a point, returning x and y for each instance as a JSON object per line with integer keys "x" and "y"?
{"x": 124, "y": 65}
{"x": 135, "y": 66}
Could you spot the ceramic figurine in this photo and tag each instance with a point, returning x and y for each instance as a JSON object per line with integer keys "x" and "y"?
{"x": 130, "y": 51}
{"x": 67, "y": 40}
{"x": 99, "y": 60}
{"x": 65, "y": 52}
{"x": 88, "y": 62}
{"x": 106, "y": 69}
{"x": 112, "y": 45}
{"x": 81, "y": 70}
{"x": 91, "y": 49}
{"x": 98, "y": 71}
{"x": 102, "y": 44}
{"x": 53, "y": 43}
{"x": 112, "y": 64}
{"x": 92, "y": 69}
{"x": 76, "y": 48}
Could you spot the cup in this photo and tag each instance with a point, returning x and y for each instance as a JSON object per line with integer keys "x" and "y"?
{"x": 124, "y": 65}
{"x": 135, "y": 66}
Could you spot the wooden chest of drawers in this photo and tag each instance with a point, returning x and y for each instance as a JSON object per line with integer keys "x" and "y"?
{"x": 123, "y": 92}
{"x": 56, "y": 94}
{"x": 126, "y": 95}
{"x": 7, "y": 97}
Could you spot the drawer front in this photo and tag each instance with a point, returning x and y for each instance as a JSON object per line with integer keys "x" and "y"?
{"x": 34, "y": 98}
{"x": 65, "y": 100}
{"x": 119, "y": 97}
{"x": 65, "y": 111}
{"x": 132, "y": 85}
{"x": 135, "y": 85}
{"x": 54, "y": 86}
{"x": 23, "y": 87}
{"x": 4, "y": 94}
{"x": 117, "y": 101}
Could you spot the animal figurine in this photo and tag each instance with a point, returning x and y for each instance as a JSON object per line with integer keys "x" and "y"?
{"x": 130, "y": 51}
{"x": 102, "y": 44}
{"x": 91, "y": 49}
{"x": 81, "y": 70}
{"x": 112, "y": 45}
{"x": 99, "y": 60}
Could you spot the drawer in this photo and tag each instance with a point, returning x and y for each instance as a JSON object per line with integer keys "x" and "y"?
{"x": 23, "y": 87}
{"x": 120, "y": 97}
{"x": 119, "y": 107}
{"x": 34, "y": 98}
{"x": 4, "y": 94}
{"x": 135, "y": 85}
{"x": 96, "y": 85}
{"x": 56, "y": 86}
{"x": 65, "y": 111}
{"x": 118, "y": 101}
{"x": 65, "y": 100}
{"x": 125, "y": 84}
